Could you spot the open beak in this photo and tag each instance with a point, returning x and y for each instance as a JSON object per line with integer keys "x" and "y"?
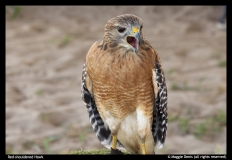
{"x": 134, "y": 39}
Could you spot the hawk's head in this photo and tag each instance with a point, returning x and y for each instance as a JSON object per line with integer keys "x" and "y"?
{"x": 124, "y": 31}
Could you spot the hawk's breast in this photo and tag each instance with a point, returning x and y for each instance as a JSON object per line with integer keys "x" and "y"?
{"x": 121, "y": 82}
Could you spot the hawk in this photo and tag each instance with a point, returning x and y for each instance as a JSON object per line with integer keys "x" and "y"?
{"x": 124, "y": 89}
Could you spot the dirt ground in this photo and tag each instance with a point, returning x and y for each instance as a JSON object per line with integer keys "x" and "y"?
{"x": 45, "y": 51}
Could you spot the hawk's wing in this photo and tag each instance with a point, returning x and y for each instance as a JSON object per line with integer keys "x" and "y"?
{"x": 103, "y": 134}
{"x": 160, "y": 116}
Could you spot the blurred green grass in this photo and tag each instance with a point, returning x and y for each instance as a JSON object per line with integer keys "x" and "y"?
{"x": 207, "y": 127}
{"x": 16, "y": 11}
{"x": 102, "y": 151}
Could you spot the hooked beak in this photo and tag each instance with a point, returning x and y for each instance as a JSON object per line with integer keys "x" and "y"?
{"x": 134, "y": 39}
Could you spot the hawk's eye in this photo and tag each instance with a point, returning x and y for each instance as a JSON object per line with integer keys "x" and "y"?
{"x": 121, "y": 29}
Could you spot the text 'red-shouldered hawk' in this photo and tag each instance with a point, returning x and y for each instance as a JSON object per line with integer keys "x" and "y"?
{"x": 123, "y": 87}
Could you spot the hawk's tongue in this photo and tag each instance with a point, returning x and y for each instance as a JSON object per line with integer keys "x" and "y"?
{"x": 132, "y": 41}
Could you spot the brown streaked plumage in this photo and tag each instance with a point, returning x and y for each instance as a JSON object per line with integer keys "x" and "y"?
{"x": 123, "y": 87}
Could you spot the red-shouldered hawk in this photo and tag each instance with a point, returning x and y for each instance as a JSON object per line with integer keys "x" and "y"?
{"x": 123, "y": 87}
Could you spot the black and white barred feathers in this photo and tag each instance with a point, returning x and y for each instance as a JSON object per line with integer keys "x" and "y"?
{"x": 160, "y": 116}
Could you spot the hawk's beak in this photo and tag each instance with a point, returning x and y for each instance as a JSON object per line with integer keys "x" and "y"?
{"x": 134, "y": 39}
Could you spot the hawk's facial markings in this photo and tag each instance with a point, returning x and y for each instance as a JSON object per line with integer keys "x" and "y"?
{"x": 124, "y": 31}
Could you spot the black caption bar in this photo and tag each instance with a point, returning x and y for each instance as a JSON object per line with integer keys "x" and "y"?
{"x": 72, "y": 156}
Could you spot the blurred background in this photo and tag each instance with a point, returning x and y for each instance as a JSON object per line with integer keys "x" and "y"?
{"x": 45, "y": 51}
